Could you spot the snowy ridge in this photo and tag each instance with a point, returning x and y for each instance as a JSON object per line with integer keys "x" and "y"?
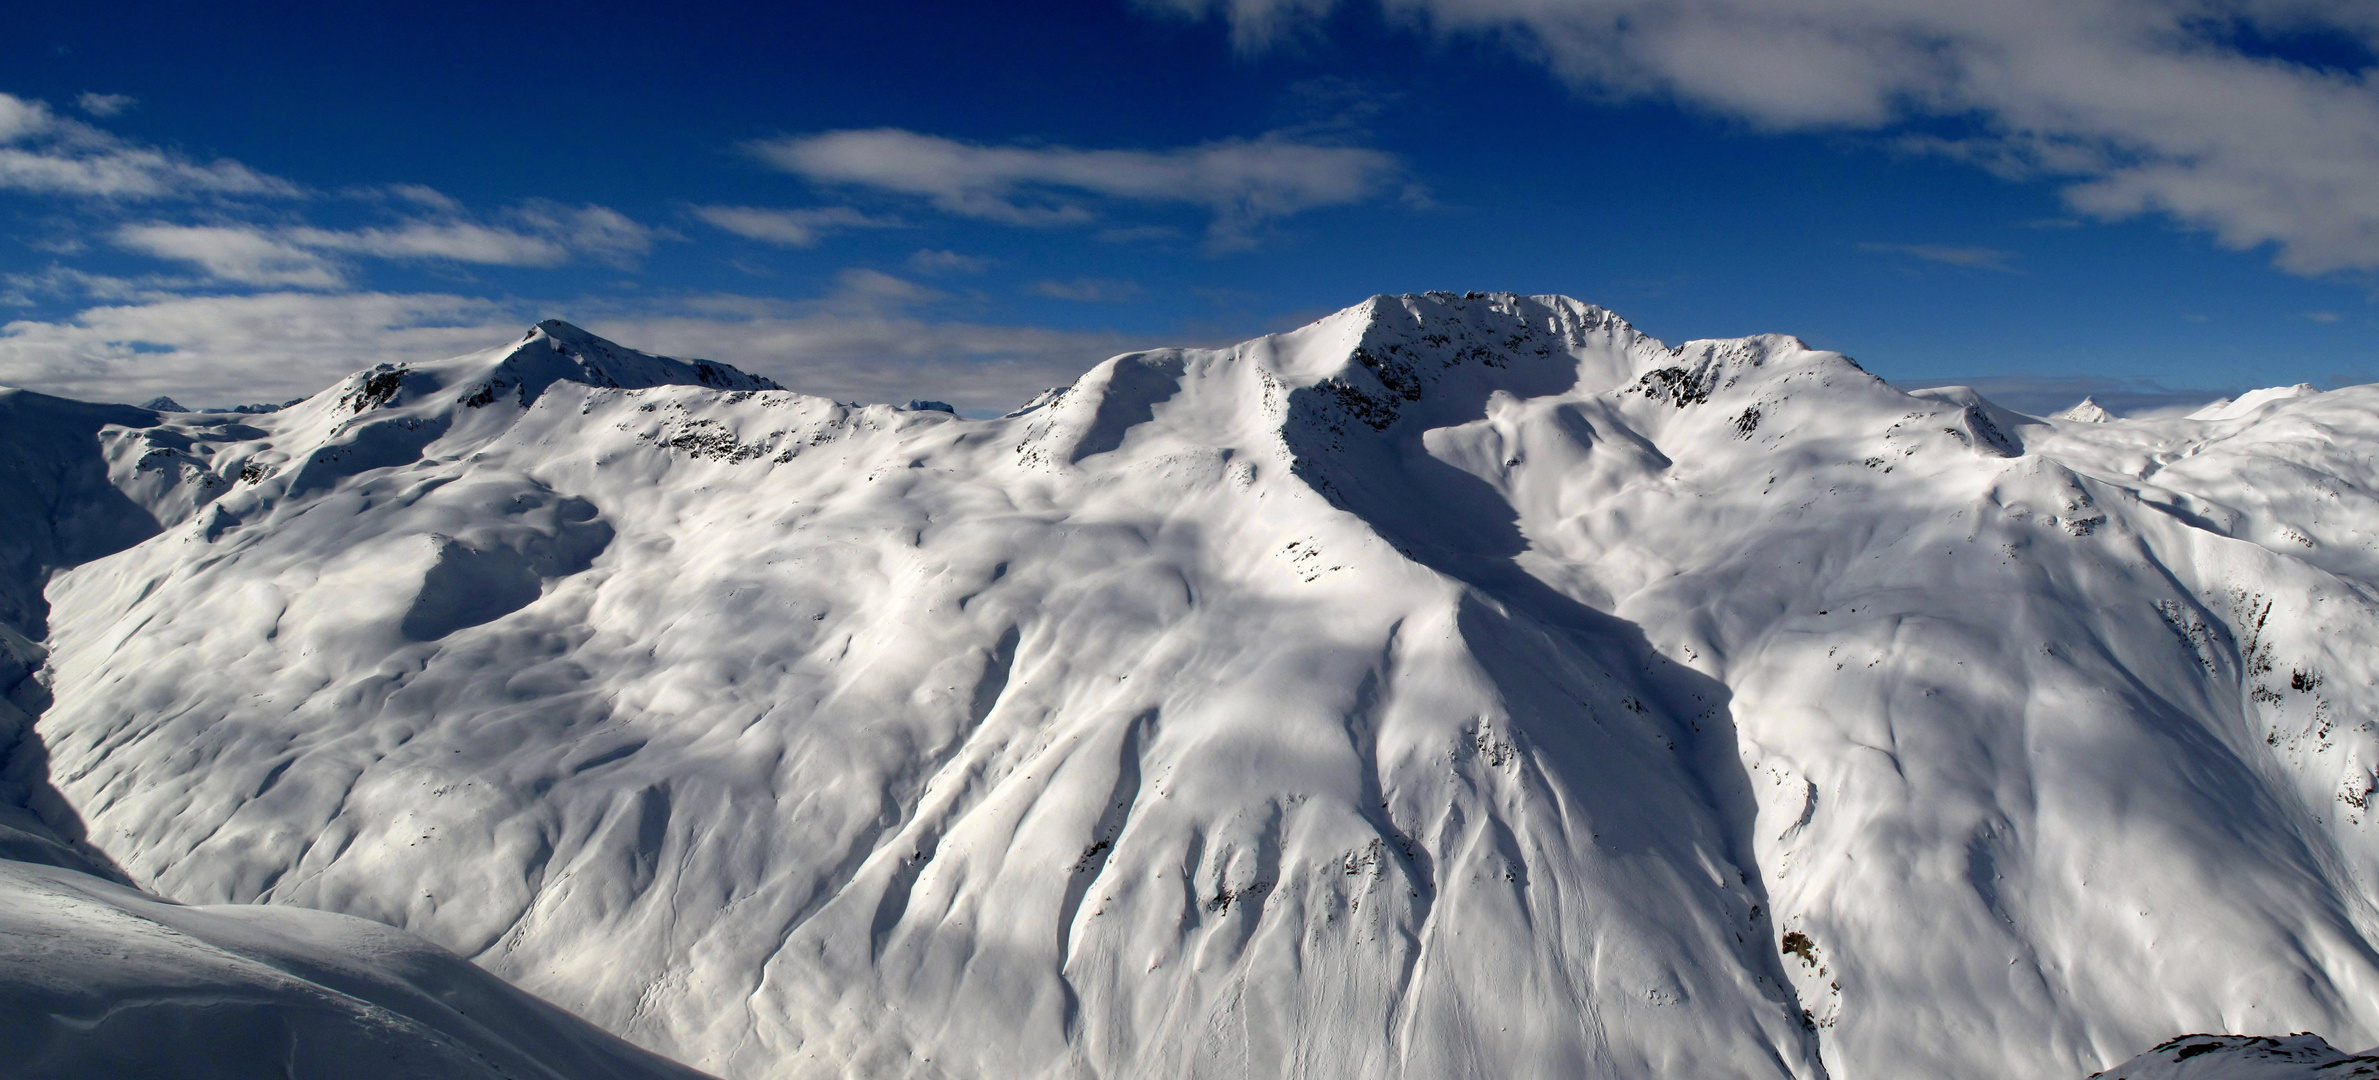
{"x": 1462, "y": 685}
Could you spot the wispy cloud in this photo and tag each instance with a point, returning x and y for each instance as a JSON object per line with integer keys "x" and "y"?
{"x": 299, "y": 256}
{"x": 68, "y": 283}
{"x": 105, "y": 105}
{"x": 423, "y": 196}
{"x": 1088, "y": 290}
{"x": 930, "y": 261}
{"x": 1133, "y": 234}
{"x": 600, "y": 232}
{"x": 460, "y": 241}
{"x": 1972, "y": 258}
{"x": 1243, "y": 184}
{"x": 233, "y": 253}
{"x": 20, "y": 118}
{"x": 2136, "y": 106}
{"x": 791, "y": 228}
{"x": 43, "y": 153}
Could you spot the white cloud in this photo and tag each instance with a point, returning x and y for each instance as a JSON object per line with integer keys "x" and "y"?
{"x": 129, "y": 173}
{"x": 1972, "y": 258}
{"x": 105, "y": 105}
{"x": 2138, "y": 106}
{"x": 460, "y": 241}
{"x": 875, "y": 337}
{"x": 233, "y": 253}
{"x": 39, "y": 152}
{"x": 42, "y": 153}
{"x": 1242, "y": 183}
{"x": 225, "y": 350}
{"x": 294, "y": 256}
{"x": 66, "y": 282}
{"x": 426, "y": 197}
{"x": 20, "y": 118}
{"x": 874, "y": 288}
{"x": 1133, "y": 234}
{"x": 930, "y": 261}
{"x": 1089, "y": 290}
{"x": 791, "y": 228}
{"x": 598, "y": 231}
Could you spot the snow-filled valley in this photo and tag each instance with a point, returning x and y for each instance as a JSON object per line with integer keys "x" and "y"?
{"x": 1459, "y": 686}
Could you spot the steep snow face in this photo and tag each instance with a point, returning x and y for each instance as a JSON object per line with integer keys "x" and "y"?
{"x": 1457, "y": 686}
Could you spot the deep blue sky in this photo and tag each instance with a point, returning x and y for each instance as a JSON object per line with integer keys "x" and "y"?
{"x": 1688, "y": 219}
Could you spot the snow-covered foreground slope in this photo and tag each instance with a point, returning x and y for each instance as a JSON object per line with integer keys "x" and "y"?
{"x": 1458, "y": 686}
{"x": 2241, "y": 1057}
{"x": 97, "y": 980}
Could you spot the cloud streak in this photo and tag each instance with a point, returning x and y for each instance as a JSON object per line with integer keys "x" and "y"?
{"x": 1243, "y": 184}
{"x": 1971, "y": 258}
{"x": 233, "y": 253}
{"x": 789, "y": 228}
{"x": 43, "y": 153}
{"x": 1088, "y": 290}
{"x": 299, "y": 256}
{"x": 105, "y": 105}
{"x": 460, "y": 241}
{"x": 2174, "y": 107}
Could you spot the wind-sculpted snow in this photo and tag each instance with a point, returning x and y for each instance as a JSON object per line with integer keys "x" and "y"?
{"x": 1458, "y": 686}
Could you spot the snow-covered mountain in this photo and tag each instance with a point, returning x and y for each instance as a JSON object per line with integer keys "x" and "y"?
{"x": 1457, "y": 686}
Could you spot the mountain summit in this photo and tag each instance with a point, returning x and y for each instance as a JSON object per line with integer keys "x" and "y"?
{"x": 1460, "y": 685}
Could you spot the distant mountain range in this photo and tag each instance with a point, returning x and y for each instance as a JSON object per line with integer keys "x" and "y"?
{"x": 1459, "y": 686}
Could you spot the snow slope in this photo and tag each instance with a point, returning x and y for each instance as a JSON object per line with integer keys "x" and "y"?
{"x": 1457, "y": 686}
{"x": 97, "y": 980}
{"x": 2240, "y": 1057}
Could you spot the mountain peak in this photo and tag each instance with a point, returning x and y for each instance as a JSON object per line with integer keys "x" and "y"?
{"x": 2088, "y": 412}
{"x": 554, "y": 350}
{"x": 568, "y": 334}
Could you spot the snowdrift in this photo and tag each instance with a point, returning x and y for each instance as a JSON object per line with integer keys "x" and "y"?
{"x": 1459, "y": 686}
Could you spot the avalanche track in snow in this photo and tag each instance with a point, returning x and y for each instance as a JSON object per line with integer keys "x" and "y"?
{"x": 1459, "y": 686}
